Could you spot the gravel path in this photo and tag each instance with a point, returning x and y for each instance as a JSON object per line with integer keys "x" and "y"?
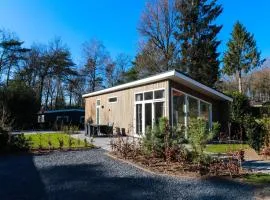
{"x": 93, "y": 175}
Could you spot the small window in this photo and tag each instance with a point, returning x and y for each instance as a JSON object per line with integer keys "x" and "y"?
{"x": 112, "y": 100}
{"x": 148, "y": 95}
{"x": 159, "y": 94}
{"x": 41, "y": 119}
{"x": 98, "y": 102}
{"x": 139, "y": 97}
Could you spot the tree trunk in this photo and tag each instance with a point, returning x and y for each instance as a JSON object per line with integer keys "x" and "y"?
{"x": 70, "y": 98}
{"x": 47, "y": 97}
{"x": 8, "y": 75}
{"x": 41, "y": 90}
{"x": 240, "y": 82}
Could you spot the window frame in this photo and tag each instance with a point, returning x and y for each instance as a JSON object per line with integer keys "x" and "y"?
{"x": 154, "y": 97}
{"x": 98, "y": 107}
{"x": 187, "y": 105}
{"x": 112, "y": 98}
{"x": 143, "y": 102}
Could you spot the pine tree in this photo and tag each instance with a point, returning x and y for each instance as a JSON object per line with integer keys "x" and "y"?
{"x": 197, "y": 36}
{"x": 242, "y": 54}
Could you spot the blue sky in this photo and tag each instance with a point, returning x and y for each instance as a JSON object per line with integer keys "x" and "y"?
{"x": 114, "y": 22}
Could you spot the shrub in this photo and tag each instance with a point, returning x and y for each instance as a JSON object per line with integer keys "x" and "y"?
{"x": 255, "y": 131}
{"x": 19, "y": 143}
{"x": 70, "y": 142}
{"x": 61, "y": 142}
{"x": 69, "y": 129}
{"x": 20, "y": 103}
{"x": 49, "y": 142}
{"x": 162, "y": 142}
{"x": 40, "y": 141}
{"x": 266, "y": 123}
{"x": 13, "y": 143}
{"x": 199, "y": 134}
{"x": 240, "y": 109}
{"x": 228, "y": 166}
{"x": 85, "y": 142}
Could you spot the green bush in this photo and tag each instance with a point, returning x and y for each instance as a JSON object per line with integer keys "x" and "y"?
{"x": 255, "y": 131}
{"x": 161, "y": 141}
{"x": 245, "y": 126}
{"x": 20, "y": 105}
{"x": 199, "y": 134}
{"x": 266, "y": 123}
{"x": 19, "y": 143}
{"x": 13, "y": 143}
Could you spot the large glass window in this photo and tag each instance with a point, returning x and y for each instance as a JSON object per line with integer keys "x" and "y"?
{"x": 158, "y": 111}
{"x": 149, "y": 109}
{"x": 148, "y": 115}
{"x": 139, "y": 97}
{"x": 148, "y": 95}
{"x": 205, "y": 111}
{"x": 98, "y": 112}
{"x": 159, "y": 94}
{"x": 186, "y": 107}
{"x": 98, "y": 116}
{"x": 193, "y": 108}
{"x": 139, "y": 118}
{"x": 178, "y": 108}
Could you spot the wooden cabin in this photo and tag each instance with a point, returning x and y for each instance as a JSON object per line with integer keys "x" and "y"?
{"x": 54, "y": 119}
{"x": 133, "y": 106}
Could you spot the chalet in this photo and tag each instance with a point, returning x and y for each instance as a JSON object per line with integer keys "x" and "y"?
{"x": 136, "y": 105}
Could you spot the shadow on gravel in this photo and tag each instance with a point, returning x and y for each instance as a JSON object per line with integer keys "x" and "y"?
{"x": 19, "y": 179}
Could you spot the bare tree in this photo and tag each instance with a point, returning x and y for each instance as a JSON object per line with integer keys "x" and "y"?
{"x": 157, "y": 26}
{"x": 123, "y": 63}
{"x": 110, "y": 73}
{"x": 95, "y": 57}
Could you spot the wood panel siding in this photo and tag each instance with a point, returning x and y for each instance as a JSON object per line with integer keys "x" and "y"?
{"x": 121, "y": 113}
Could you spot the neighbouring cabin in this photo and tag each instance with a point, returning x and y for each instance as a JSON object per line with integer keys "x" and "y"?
{"x": 134, "y": 106}
{"x": 54, "y": 119}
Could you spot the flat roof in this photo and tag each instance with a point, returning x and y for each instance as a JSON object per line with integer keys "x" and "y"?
{"x": 169, "y": 75}
{"x": 64, "y": 110}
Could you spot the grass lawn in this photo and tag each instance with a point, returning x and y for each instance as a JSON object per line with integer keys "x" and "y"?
{"x": 224, "y": 148}
{"x": 43, "y": 138}
{"x": 257, "y": 178}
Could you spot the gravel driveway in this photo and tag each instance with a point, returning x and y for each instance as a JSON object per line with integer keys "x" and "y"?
{"x": 93, "y": 175}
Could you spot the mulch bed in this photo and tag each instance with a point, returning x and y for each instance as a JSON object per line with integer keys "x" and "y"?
{"x": 159, "y": 166}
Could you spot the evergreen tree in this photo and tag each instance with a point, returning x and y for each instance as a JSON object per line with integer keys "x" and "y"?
{"x": 196, "y": 35}
{"x": 242, "y": 54}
